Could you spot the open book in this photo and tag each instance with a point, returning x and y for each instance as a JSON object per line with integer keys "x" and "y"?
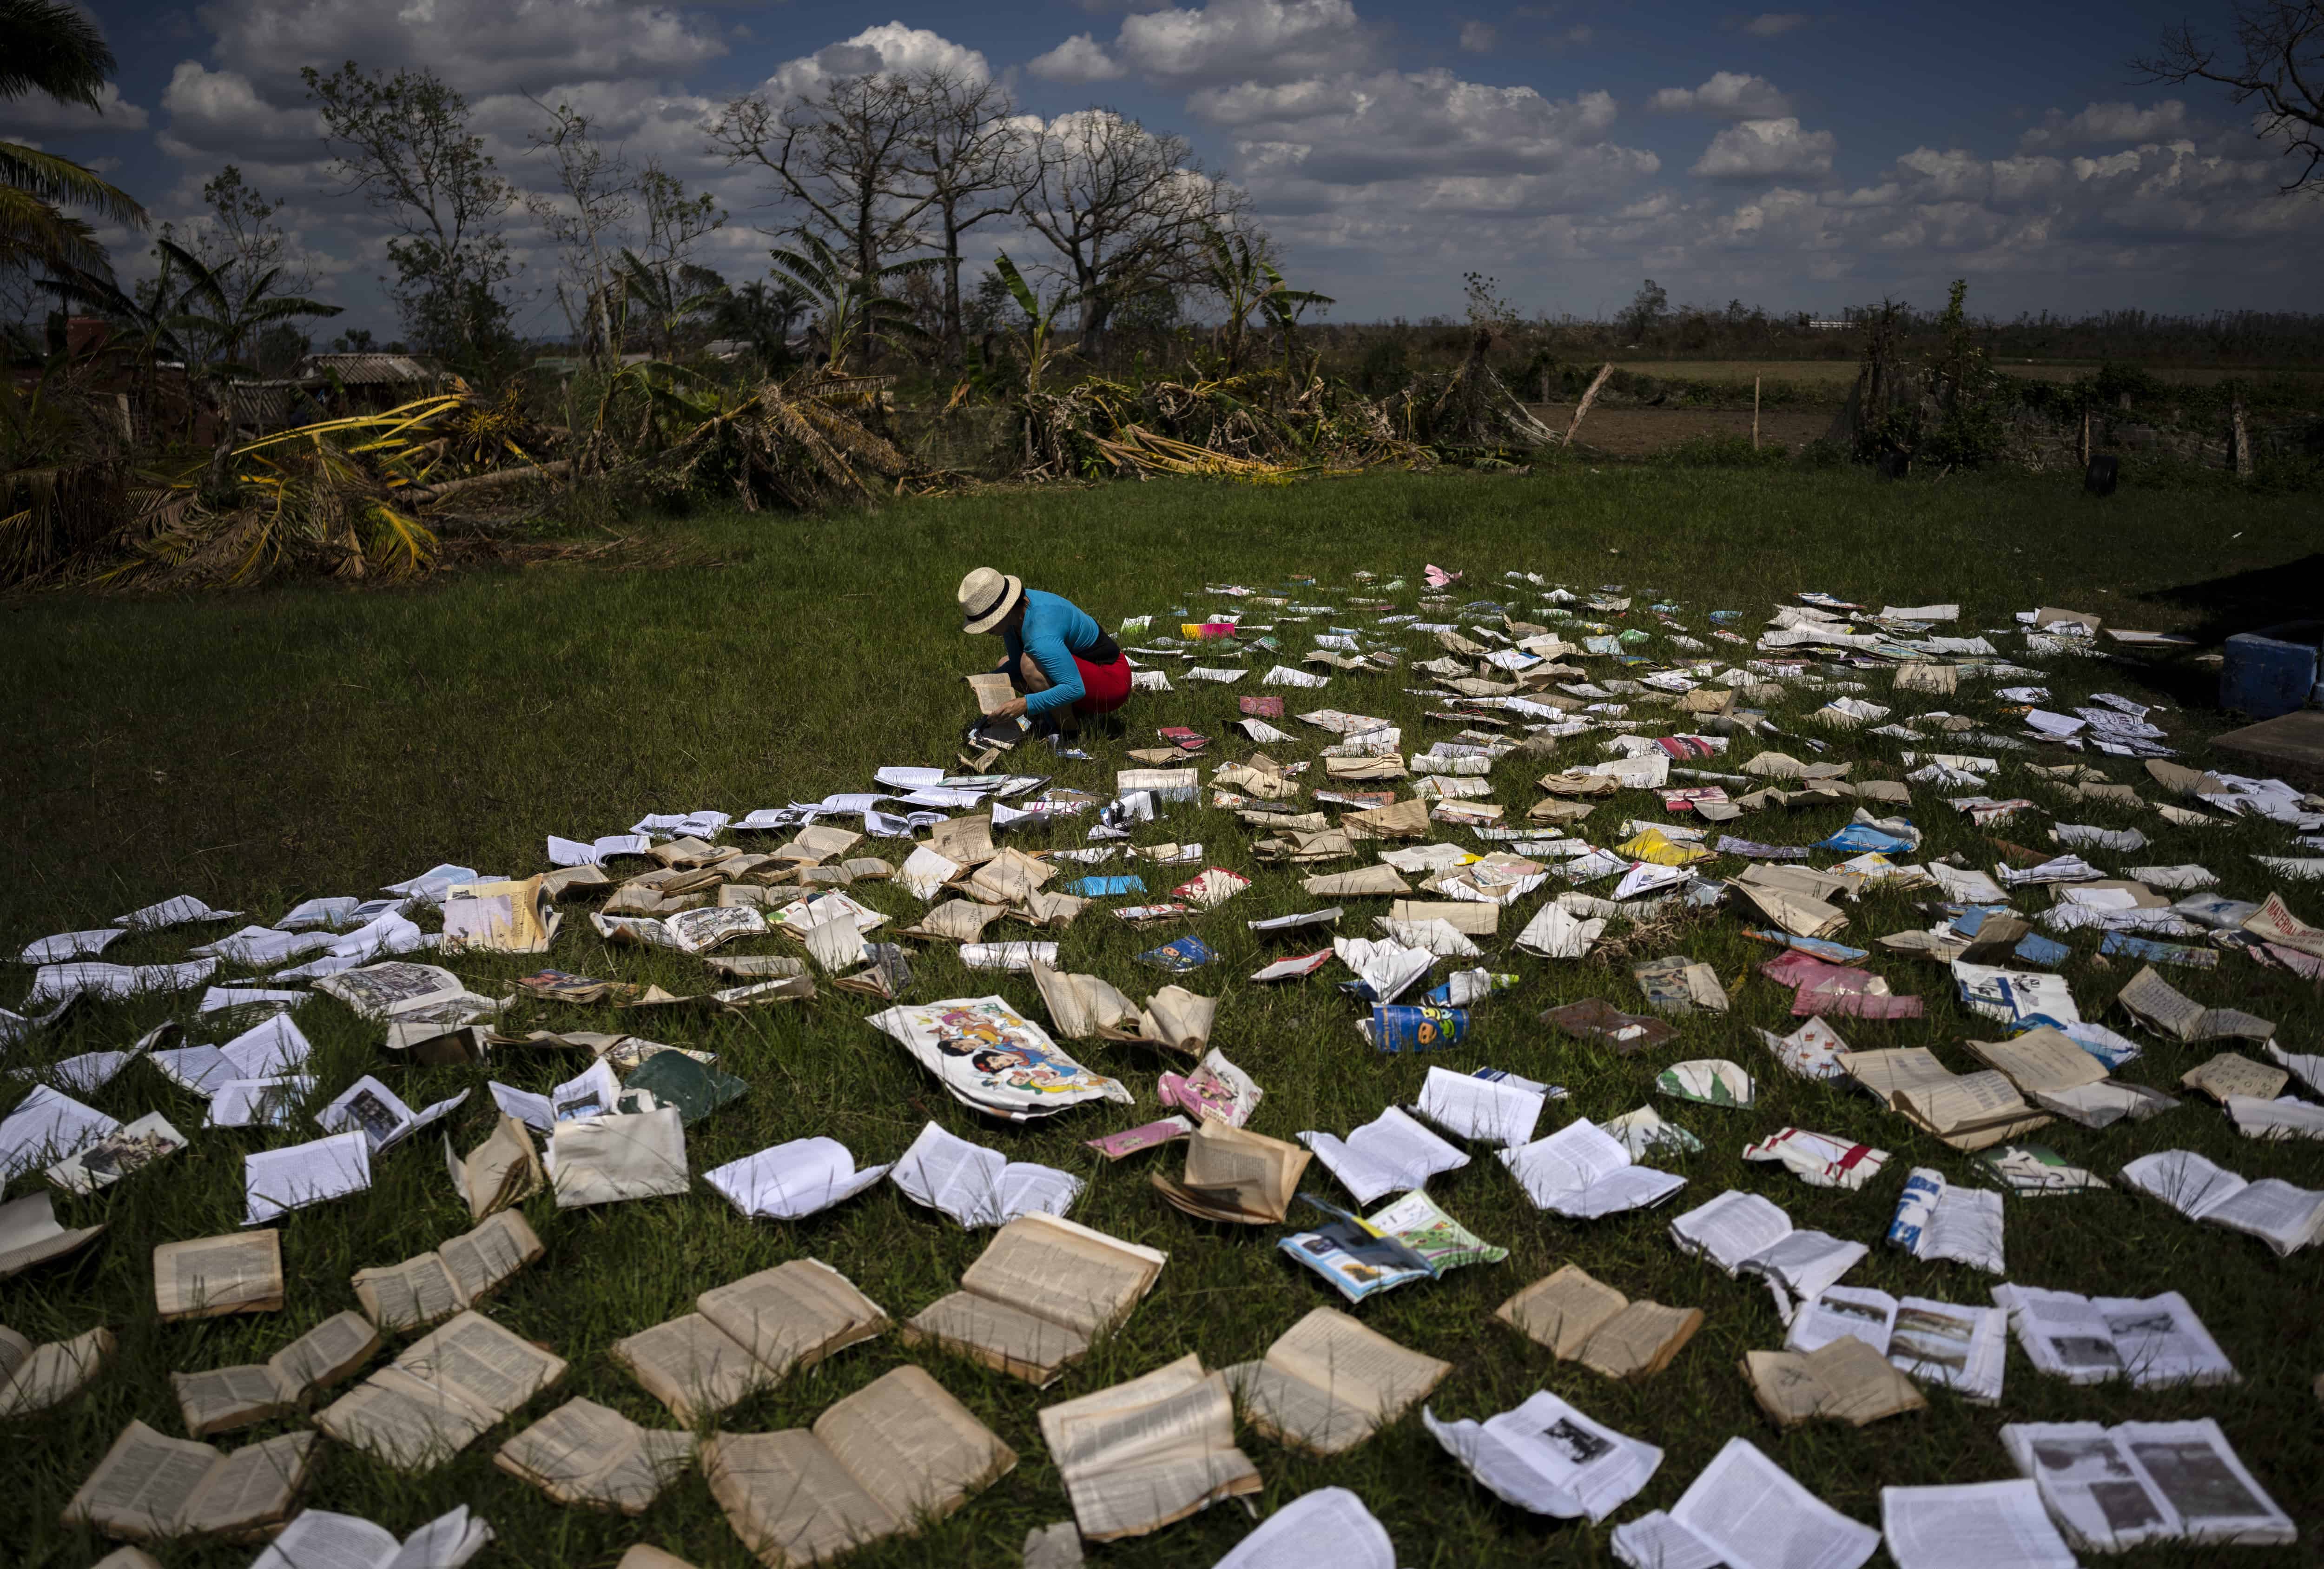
{"x": 318, "y": 1539}
{"x": 446, "y": 1390}
{"x": 1981, "y": 1524}
{"x": 2054, "y": 1072}
{"x": 2086, "y": 1340}
{"x": 749, "y": 1336}
{"x": 2154, "y": 1003}
{"x": 1965, "y": 1110}
{"x": 1583, "y": 1172}
{"x": 623, "y": 1156}
{"x": 1235, "y": 1175}
{"x": 504, "y": 1171}
{"x": 1741, "y": 1232}
{"x": 1937, "y": 1219}
{"x": 224, "y": 1398}
{"x": 1327, "y": 1383}
{"x": 203, "y": 1279}
{"x": 1547, "y": 1457}
{"x": 438, "y": 1284}
{"x": 1139, "y": 1455}
{"x": 1037, "y": 1295}
{"x": 1329, "y": 1526}
{"x": 978, "y": 1186}
{"x": 2286, "y": 1218}
{"x": 1937, "y": 1342}
{"x": 149, "y": 1488}
{"x": 30, "y": 1235}
{"x": 1409, "y": 1240}
{"x": 875, "y": 1463}
{"x": 276, "y": 1181}
{"x": 1585, "y": 1320}
{"x": 583, "y": 1454}
{"x": 1846, "y": 1379}
{"x": 1392, "y": 1153}
{"x": 34, "y": 1378}
{"x": 380, "y": 1114}
{"x": 793, "y": 1180}
{"x": 2113, "y": 1487}
{"x": 1745, "y": 1512}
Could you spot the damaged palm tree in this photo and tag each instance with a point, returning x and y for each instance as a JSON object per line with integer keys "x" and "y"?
{"x": 798, "y": 445}
{"x": 1472, "y": 411}
{"x": 1260, "y": 426}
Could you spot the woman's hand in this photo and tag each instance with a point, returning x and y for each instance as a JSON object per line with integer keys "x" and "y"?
{"x": 1012, "y": 709}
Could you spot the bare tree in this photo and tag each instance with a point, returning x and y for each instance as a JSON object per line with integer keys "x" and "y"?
{"x": 1126, "y": 210}
{"x": 676, "y": 222}
{"x": 838, "y": 159}
{"x": 967, "y": 155}
{"x": 2283, "y": 66}
{"x": 587, "y": 218}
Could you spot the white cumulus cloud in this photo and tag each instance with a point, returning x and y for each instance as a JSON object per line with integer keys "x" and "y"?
{"x": 1765, "y": 150}
{"x": 1478, "y": 37}
{"x": 1775, "y": 23}
{"x": 37, "y": 111}
{"x": 891, "y": 47}
{"x": 1080, "y": 58}
{"x": 2108, "y": 125}
{"x": 1225, "y": 41}
{"x": 1729, "y": 94}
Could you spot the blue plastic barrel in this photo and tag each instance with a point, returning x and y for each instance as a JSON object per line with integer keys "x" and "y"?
{"x": 2271, "y": 672}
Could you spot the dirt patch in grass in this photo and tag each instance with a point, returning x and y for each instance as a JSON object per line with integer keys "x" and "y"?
{"x": 1640, "y": 432}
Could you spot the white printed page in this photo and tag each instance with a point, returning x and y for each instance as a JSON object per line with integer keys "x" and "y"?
{"x": 1840, "y": 1310}
{"x": 1329, "y": 1526}
{"x": 1759, "y": 1518}
{"x": 1985, "y": 1525}
{"x": 1482, "y": 1110}
{"x": 953, "y": 1176}
{"x": 1732, "y": 1227}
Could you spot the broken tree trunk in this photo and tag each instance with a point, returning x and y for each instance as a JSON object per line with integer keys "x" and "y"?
{"x": 1588, "y": 398}
{"x": 427, "y": 494}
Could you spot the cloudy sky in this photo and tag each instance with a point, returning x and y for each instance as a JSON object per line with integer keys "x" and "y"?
{"x": 1801, "y": 159}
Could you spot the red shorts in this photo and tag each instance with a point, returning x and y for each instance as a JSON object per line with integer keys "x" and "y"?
{"x": 1104, "y": 687}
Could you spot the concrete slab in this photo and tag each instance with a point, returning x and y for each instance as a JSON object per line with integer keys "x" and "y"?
{"x": 2293, "y": 744}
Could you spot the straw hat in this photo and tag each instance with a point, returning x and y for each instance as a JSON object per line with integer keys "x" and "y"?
{"x": 986, "y": 598}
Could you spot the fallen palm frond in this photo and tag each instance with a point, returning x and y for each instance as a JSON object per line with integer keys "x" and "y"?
{"x": 1261, "y": 427}
{"x": 1471, "y": 411}
{"x": 338, "y": 497}
{"x": 798, "y": 445}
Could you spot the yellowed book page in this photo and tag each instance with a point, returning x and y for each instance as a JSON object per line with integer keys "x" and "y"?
{"x": 1063, "y": 1272}
{"x": 1295, "y": 1412}
{"x": 1970, "y": 1101}
{"x": 2040, "y": 1060}
{"x": 210, "y": 1276}
{"x": 1249, "y": 1170}
{"x": 224, "y": 1398}
{"x": 1904, "y": 1068}
{"x": 584, "y": 1454}
{"x": 1142, "y": 1454}
{"x": 641, "y": 1556}
{"x": 1359, "y": 1365}
{"x": 141, "y": 1487}
{"x": 2233, "y": 1074}
{"x": 1785, "y": 1385}
{"x": 1179, "y": 1018}
{"x": 794, "y": 1315}
{"x": 55, "y": 1373}
{"x": 1861, "y": 1385}
{"x": 401, "y": 1421}
{"x": 257, "y": 1485}
{"x": 478, "y": 1361}
{"x": 1562, "y": 1310}
{"x": 483, "y": 1261}
{"x": 964, "y": 841}
{"x": 692, "y": 1366}
{"x": 790, "y": 1499}
{"x": 994, "y": 692}
{"x": 502, "y": 1170}
{"x": 913, "y": 1447}
{"x": 411, "y": 1295}
{"x": 1640, "y": 1340}
{"x": 1007, "y": 1339}
{"x": 325, "y": 1354}
{"x": 1009, "y": 878}
{"x": 1081, "y": 1005}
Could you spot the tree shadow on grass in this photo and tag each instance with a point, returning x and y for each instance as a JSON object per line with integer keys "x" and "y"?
{"x": 2247, "y": 601}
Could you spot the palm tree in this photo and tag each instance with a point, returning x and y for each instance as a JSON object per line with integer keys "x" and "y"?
{"x": 47, "y": 46}
{"x": 667, "y": 306}
{"x": 857, "y": 311}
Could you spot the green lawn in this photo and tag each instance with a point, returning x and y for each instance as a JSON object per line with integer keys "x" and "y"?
{"x": 258, "y": 749}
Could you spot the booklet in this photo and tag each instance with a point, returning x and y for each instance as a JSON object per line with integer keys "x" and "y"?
{"x": 1234, "y": 1176}
{"x": 1985, "y": 1525}
{"x": 1581, "y": 1319}
{"x": 35, "y": 1378}
{"x": 1142, "y": 1455}
{"x": 2156, "y": 1340}
{"x": 1745, "y": 1512}
{"x": 459, "y": 1274}
{"x": 1328, "y": 1383}
{"x": 582, "y": 1454}
{"x": 1741, "y": 1232}
{"x": 1547, "y": 1457}
{"x": 1937, "y": 1219}
{"x": 749, "y": 1336}
{"x": 978, "y": 1186}
{"x": 444, "y": 1391}
{"x": 2286, "y": 1218}
{"x": 1391, "y": 1153}
{"x": 988, "y": 1056}
{"x": 2114, "y": 1488}
{"x": 1583, "y": 1172}
{"x": 793, "y": 1180}
{"x": 1410, "y": 1239}
{"x": 151, "y": 1489}
{"x": 1845, "y": 1380}
{"x": 1937, "y": 1342}
{"x": 1487, "y": 1107}
{"x": 224, "y": 1398}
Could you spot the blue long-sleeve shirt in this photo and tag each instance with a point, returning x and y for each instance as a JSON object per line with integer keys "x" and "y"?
{"x": 1054, "y": 629}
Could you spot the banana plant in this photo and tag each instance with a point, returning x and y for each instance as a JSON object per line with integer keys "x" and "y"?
{"x": 857, "y": 311}
{"x": 1240, "y": 273}
{"x": 1034, "y": 343}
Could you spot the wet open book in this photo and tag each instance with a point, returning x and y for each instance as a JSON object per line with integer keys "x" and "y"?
{"x": 1037, "y": 1297}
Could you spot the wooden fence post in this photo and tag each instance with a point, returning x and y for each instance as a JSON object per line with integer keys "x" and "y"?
{"x": 2239, "y": 447}
{"x": 1754, "y": 413}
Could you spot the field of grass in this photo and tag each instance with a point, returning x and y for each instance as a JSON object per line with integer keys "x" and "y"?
{"x": 1839, "y": 374}
{"x": 303, "y": 740}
